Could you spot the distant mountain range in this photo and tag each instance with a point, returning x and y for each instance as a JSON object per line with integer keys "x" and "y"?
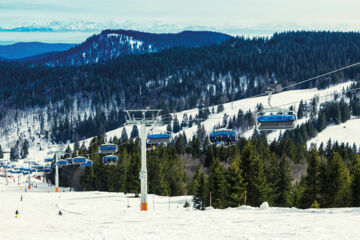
{"x": 26, "y": 49}
{"x": 114, "y": 43}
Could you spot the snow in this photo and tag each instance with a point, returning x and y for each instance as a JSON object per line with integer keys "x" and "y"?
{"x": 284, "y": 99}
{"x": 104, "y": 215}
{"x": 264, "y": 205}
{"x": 347, "y": 132}
{"x": 28, "y": 126}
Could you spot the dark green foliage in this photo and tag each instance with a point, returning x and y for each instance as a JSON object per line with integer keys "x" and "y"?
{"x": 180, "y": 145}
{"x": 312, "y": 180}
{"x": 132, "y": 177}
{"x": 334, "y": 183}
{"x": 284, "y": 185}
{"x": 257, "y": 187}
{"x": 355, "y": 182}
{"x": 176, "y": 125}
{"x": 201, "y": 193}
{"x": 25, "y": 149}
{"x": 220, "y": 108}
{"x": 124, "y": 136}
{"x": 14, "y": 152}
{"x": 134, "y": 132}
{"x": 236, "y": 185}
{"x": 217, "y": 184}
{"x": 336, "y": 113}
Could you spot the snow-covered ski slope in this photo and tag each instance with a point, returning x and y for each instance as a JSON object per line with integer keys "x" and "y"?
{"x": 348, "y": 132}
{"x": 40, "y": 147}
{"x": 284, "y": 99}
{"x": 102, "y": 215}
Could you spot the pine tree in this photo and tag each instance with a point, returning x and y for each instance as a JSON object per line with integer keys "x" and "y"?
{"x": 134, "y": 132}
{"x": 311, "y": 180}
{"x": 220, "y": 108}
{"x": 300, "y": 112}
{"x": 201, "y": 195}
{"x": 132, "y": 178}
{"x": 169, "y": 128}
{"x": 14, "y": 153}
{"x": 156, "y": 173}
{"x": 236, "y": 185}
{"x": 217, "y": 184}
{"x": 25, "y": 149}
{"x": 192, "y": 186}
{"x": 284, "y": 185}
{"x": 124, "y": 136}
{"x": 195, "y": 147}
{"x": 176, "y": 125}
{"x": 335, "y": 183}
{"x": 179, "y": 145}
{"x": 355, "y": 181}
{"x": 253, "y": 170}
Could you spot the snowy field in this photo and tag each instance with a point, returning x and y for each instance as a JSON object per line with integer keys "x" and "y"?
{"x": 347, "y": 132}
{"x": 102, "y": 215}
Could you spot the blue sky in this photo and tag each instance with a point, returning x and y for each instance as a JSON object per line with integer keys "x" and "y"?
{"x": 73, "y": 20}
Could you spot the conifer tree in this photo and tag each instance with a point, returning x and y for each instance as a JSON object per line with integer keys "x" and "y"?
{"x": 176, "y": 125}
{"x": 201, "y": 195}
{"x": 253, "y": 170}
{"x": 194, "y": 183}
{"x": 134, "y": 132}
{"x": 311, "y": 180}
{"x": 195, "y": 147}
{"x": 25, "y": 149}
{"x": 124, "y": 136}
{"x": 335, "y": 183}
{"x": 123, "y": 165}
{"x": 217, "y": 184}
{"x": 158, "y": 185}
{"x": 179, "y": 145}
{"x": 284, "y": 185}
{"x": 355, "y": 181}
{"x": 236, "y": 185}
{"x": 14, "y": 153}
{"x": 132, "y": 178}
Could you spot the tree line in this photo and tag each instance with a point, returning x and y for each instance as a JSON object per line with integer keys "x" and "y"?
{"x": 263, "y": 170}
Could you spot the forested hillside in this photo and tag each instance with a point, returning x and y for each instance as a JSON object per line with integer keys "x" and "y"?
{"x": 264, "y": 170}
{"x": 114, "y": 43}
{"x": 75, "y": 102}
{"x": 182, "y": 78}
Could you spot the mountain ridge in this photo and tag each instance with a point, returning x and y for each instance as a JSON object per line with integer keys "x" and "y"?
{"x": 112, "y": 43}
{"x": 26, "y": 49}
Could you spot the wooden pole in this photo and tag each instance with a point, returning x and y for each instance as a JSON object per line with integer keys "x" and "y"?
{"x": 210, "y": 200}
{"x": 245, "y": 197}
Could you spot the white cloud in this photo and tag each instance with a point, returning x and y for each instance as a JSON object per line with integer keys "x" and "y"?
{"x": 221, "y": 15}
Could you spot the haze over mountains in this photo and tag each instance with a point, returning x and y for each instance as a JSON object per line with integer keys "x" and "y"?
{"x": 27, "y": 49}
{"x": 106, "y": 45}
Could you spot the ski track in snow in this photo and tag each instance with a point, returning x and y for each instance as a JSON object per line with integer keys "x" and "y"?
{"x": 104, "y": 215}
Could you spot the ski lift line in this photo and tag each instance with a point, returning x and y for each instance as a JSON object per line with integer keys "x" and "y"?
{"x": 322, "y": 75}
{"x": 286, "y": 104}
{"x": 286, "y": 87}
{"x": 98, "y": 141}
{"x": 323, "y": 96}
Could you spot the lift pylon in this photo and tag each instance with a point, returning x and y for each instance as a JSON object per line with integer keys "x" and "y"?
{"x": 142, "y": 118}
